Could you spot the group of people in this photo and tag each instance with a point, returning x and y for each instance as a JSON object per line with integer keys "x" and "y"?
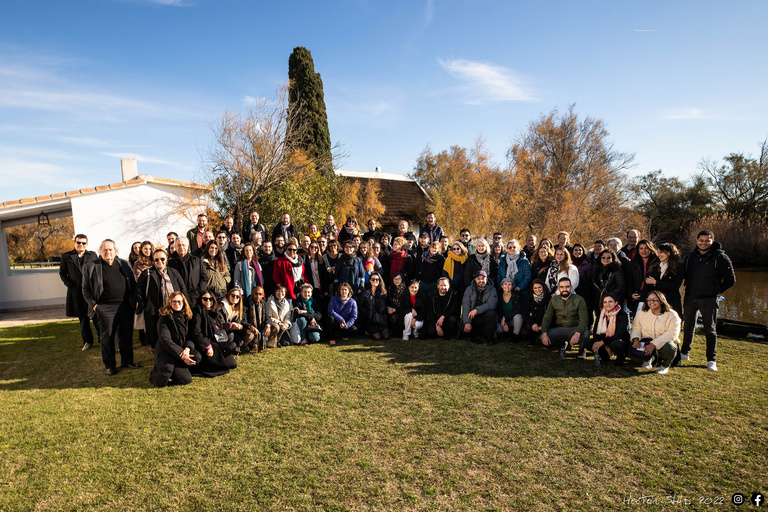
{"x": 213, "y": 294}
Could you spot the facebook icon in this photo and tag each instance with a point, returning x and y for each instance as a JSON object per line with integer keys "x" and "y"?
{"x": 757, "y": 499}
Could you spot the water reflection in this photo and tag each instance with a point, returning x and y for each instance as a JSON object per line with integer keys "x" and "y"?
{"x": 748, "y": 299}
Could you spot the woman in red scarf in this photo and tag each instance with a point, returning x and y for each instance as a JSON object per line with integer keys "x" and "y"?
{"x": 610, "y": 335}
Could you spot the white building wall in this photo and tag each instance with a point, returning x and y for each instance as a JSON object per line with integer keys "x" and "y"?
{"x": 143, "y": 212}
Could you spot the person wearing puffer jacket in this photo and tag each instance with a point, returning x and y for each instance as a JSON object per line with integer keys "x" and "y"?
{"x": 655, "y": 331}
{"x": 516, "y": 266}
{"x": 478, "y": 315}
{"x": 342, "y": 314}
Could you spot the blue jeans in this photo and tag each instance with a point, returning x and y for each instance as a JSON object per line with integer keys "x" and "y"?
{"x": 311, "y": 336}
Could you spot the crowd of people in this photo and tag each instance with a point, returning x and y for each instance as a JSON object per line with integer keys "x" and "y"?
{"x": 211, "y": 295}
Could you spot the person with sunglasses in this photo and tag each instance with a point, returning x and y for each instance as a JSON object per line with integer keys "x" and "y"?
{"x": 655, "y": 333}
{"x": 453, "y": 268}
{"x": 317, "y": 275}
{"x": 71, "y": 274}
{"x": 372, "y": 308}
{"x": 153, "y": 290}
{"x": 175, "y": 352}
{"x": 289, "y": 270}
{"x": 215, "y": 344}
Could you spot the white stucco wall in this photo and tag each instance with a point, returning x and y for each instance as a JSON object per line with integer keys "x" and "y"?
{"x": 127, "y": 215}
{"x": 142, "y": 212}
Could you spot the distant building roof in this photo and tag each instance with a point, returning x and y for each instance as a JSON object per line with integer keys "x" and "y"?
{"x": 138, "y": 180}
{"x": 403, "y": 198}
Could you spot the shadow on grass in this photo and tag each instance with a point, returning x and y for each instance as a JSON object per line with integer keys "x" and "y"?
{"x": 48, "y": 356}
{"x": 505, "y": 359}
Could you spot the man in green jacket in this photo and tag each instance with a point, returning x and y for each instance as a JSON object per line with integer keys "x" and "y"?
{"x": 565, "y": 321}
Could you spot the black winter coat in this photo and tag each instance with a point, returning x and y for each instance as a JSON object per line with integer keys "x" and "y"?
{"x": 71, "y": 274}
{"x": 605, "y": 281}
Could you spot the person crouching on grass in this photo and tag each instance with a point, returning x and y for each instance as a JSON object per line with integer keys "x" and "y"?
{"x": 655, "y": 332}
{"x": 414, "y": 318}
{"x": 342, "y": 314}
{"x": 175, "y": 352}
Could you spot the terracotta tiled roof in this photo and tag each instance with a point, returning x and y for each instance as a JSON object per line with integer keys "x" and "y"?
{"x": 139, "y": 180}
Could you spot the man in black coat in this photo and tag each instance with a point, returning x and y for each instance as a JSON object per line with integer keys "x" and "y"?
{"x": 108, "y": 287}
{"x": 154, "y": 285}
{"x": 71, "y": 274}
{"x": 253, "y": 226}
{"x": 708, "y": 273}
{"x": 285, "y": 229}
{"x": 192, "y": 272}
{"x": 443, "y": 311}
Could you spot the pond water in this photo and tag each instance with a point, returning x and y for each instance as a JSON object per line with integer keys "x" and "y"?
{"x": 748, "y": 299}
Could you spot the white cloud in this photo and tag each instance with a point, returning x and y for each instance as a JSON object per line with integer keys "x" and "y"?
{"x": 252, "y": 101}
{"x": 429, "y": 12}
{"x": 484, "y": 82}
{"x": 141, "y": 159}
{"x": 687, "y": 113}
{"x": 56, "y": 177}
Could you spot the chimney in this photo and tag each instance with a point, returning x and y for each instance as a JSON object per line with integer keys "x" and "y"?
{"x": 130, "y": 169}
{"x": 378, "y": 169}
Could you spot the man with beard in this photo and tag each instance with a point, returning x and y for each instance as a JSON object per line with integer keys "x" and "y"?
{"x": 192, "y": 272}
{"x": 433, "y": 231}
{"x": 228, "y": 226}
{"x": 565, "y": 321}
{"x": 278, "y": 246}
{"x": 71, "y": 274}
{"x": 443, "y": 311}
{"x": 465, "y": 237}
{"x": 285, "y": 229}
{"x": 479, "y": 309}
{"x": 530, "y": 247}
{"x": 207, "y": 237}
{"x": 196, "y": 235}
{"x": 171, "y": 237}
{"x": 267, "y": 261}
{"x": 253, "y": 226}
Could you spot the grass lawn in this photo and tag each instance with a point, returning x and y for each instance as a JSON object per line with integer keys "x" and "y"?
{"x": 378, "y": 426}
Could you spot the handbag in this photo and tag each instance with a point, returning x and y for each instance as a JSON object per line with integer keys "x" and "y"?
{"x": 139, "y": 323}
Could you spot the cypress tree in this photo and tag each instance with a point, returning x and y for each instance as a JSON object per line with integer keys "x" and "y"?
{"x": 308, "y": 125}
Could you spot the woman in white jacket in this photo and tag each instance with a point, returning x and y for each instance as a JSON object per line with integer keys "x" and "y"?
{"x": 655, "y": 329}
{"x": 562, "y": 267}
{"x": 279, "y": 311}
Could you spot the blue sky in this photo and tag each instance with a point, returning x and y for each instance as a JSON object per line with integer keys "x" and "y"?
{"x": 83, "y": 83}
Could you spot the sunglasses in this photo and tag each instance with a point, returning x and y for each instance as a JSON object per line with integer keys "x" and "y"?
{"x": 81, "y": 243}
{"x": 290, "y": 250}
{"x": 177, "y": 302}
{"x": 234, "y": 296}
{"x": 159, "y": 259}
{"x": 652, "y": 300}
{"x": 457, "y": 248}
{"x": 374, "y": 279}
{"x": 313, "y": 247}
{"x": 207, "y": 299}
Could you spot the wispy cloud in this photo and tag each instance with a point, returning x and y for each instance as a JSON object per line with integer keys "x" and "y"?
{"x": 687, "y": 113}
{"x": 50, "y": 175}
{"x": 252, "y": 101}
{"x": 429, "y": 12}
{"x": 147, "y": 160}
{"x": 485, "y": 82}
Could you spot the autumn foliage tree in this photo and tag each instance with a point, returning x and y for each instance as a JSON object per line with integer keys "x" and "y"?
{"x": 361, "y": 199}
{"x": 39, "y": 242}
{"x": 565, "y": 175}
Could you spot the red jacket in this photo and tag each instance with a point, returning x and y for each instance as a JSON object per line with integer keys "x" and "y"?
{"x": 282, "y": 273}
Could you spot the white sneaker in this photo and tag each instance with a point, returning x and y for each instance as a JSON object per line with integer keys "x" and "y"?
{"x": 663, "y": 370}
{"x": 712, "y": 365}
{"x": 647, "y": 365}
{"x": 416, "y": 333}
{"x": 684, "y": 357}
{"x": 581, "y": 356}
{"x": 405, "y": 337}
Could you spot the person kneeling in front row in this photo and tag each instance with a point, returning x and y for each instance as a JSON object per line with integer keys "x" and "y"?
{"x": 568, "y": 312}
{"x": 479, "y": 309}
{"x": 655, "y": 332}
{"x": 175, "y": 352}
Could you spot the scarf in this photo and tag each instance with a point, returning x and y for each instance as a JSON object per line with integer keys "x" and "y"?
{"x": 166, "y": 287}
{"x": 554, "y": 269}
{"x": 485, "y": 261}
{"x": 512, "y": 265}
{"x": 429, "y": 258}
{"x": 607, "y": 323}
{"x": 450, "y": 261}
{"x": 307, "y": 304}
{"x": 663, "y": 267}
{"x": 398, "y": 261}
{"x": 179, "y": 320}
{"x": 397, "y": 296}
{"x": 263, "y": 256}
{"x": 297, "y": 265}
{"x": 538, "y": 297}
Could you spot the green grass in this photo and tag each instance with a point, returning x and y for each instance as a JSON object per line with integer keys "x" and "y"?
{"x": 376, "y": 426}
